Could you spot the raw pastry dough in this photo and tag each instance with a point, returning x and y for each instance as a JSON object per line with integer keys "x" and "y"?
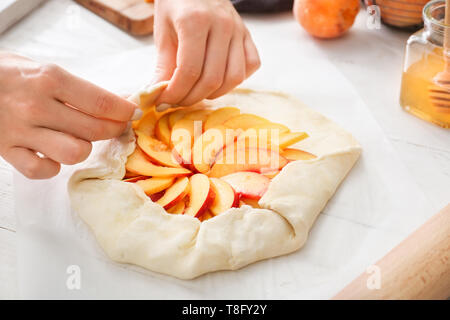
{"x": 132, "y": 229}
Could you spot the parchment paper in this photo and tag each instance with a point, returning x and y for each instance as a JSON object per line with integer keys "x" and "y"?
{"x": 374, "y": 209}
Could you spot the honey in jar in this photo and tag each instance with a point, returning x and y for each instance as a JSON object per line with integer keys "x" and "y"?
{"x": 423, "y": 61}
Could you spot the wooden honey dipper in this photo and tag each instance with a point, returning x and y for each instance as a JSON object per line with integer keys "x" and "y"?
{"x": 440, "y": 89}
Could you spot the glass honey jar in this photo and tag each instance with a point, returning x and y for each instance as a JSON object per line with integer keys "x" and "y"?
{"x": 423, "y": 62}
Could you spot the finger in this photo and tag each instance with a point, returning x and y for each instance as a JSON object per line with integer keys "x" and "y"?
{"x": 190, "y": 58}
{"x": 235, "y": 72}
{"x": 214, "y": 66}
{"x": 166, "y": 61}
{"x": 92, "y": 99}
{"x": 58, "y": 146}
{"x": 30, "y": 164}
{"x": 252, "y": 57}
{"x": 60, "y": 117}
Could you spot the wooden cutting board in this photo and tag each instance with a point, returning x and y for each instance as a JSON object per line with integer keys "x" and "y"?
{"x": 132, "y": 16}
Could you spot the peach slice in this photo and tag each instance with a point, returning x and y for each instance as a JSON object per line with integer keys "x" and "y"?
{"x": 297, "y": 154}
{"x": 147, "y": 123}
{"x": 198, "y": 115}
{"x": 268, "y": 138}
{"x": 139, "y": 164}
{"x": 219, "y": 116}
{"x": 155, "y": 185}
{"x": 271, "y": 174}
{"x": 208, "y": 145}
{"x": 249, "y": 185}
{"x": 156, "y": 196}
{"x": 201, "y": 195}
{"x": 181, "y": 138}
{"x": 271, "y": 125}
{"x": 162, "y": 130}
{"x": 225, "y": 198}
{"x": 251, "y": 202}
{"x": 134, "y": 179}
{"x": 178, "y": 208}
{"x": 182, "y": 154}
{"x": 184, "y": 129}
{"x": 259, "y": 138}
{"x": 175, "y": 193}
{"x": 245, "y": 121}
{"x": 129, "y": 174}
{"x": 176, "y": 116}
{"x": 156, "y": 150}
{"x": 206, "y": 216}
{"x": 246, "y": 159}
{"x": 289, "y": 138}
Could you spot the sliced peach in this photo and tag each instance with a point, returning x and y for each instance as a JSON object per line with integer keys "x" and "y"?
{"x": 176, "y": 116}
{"x": 246, "y": 159}
{"x": 135, "y": 178}
{"x": 184, "y": 129}
{"x": 219, "y": 116}
{"x": 156, "y": 150}
{"x": 162, "y": 130}
{"x": 178, "y": 208}
{"x": 245, "y": 121}
{"x": 182, "y": 138}
{"x": 139, "y": 164}
{"x": 156, "y": 196}
{"x": 297, "y": 154}
{"x": 208, "y": 145}
{"x": 268, "y": 138}
{"x": 175, "y": 193}
{"x": 289, "y": 138}
{"x": 182, "y": 153}
{"x": 201, "y": 195}
{"x": 271, "y": 174}
{"x": 226, "y": 197}
{"x": 259, "y": 138}
{"x": 249, "y": 185}
{"x": 129, "y": 174}
{"x": 206, "y": 216}
{"x": 198, "y": 115}
{"x": 251, "y": 202}
{"x": 155, "y": 185}
{"x": 272, "y": 125}
{"x": 147, "y": 123}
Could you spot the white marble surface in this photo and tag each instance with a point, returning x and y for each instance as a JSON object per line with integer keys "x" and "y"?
{"x": 61, "y": 32}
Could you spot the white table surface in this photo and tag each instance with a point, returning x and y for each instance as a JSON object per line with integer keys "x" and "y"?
{"x": 59, "y": 31}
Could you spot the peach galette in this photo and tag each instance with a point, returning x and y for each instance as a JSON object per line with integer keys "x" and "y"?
{"x": 201, "y": 162}
{"x": 215, "y": 186}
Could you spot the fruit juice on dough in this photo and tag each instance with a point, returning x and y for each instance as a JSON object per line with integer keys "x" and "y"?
{"x": 415, "y": 92}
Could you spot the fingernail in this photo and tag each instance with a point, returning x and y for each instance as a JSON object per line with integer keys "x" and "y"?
{"x": 128, "y": 126}
{"x": 163, "y": 107}
{"x": 137, "y": 114}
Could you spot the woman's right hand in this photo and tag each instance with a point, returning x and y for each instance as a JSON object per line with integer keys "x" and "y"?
{"x": 49, "y": 117}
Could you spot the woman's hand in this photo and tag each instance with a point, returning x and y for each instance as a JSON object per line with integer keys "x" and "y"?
{"x": 48, "y": 117}
{"x": 203, "y": 48}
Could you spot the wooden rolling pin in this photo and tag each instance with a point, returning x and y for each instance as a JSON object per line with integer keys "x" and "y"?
{"x": 418, "y": 268}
